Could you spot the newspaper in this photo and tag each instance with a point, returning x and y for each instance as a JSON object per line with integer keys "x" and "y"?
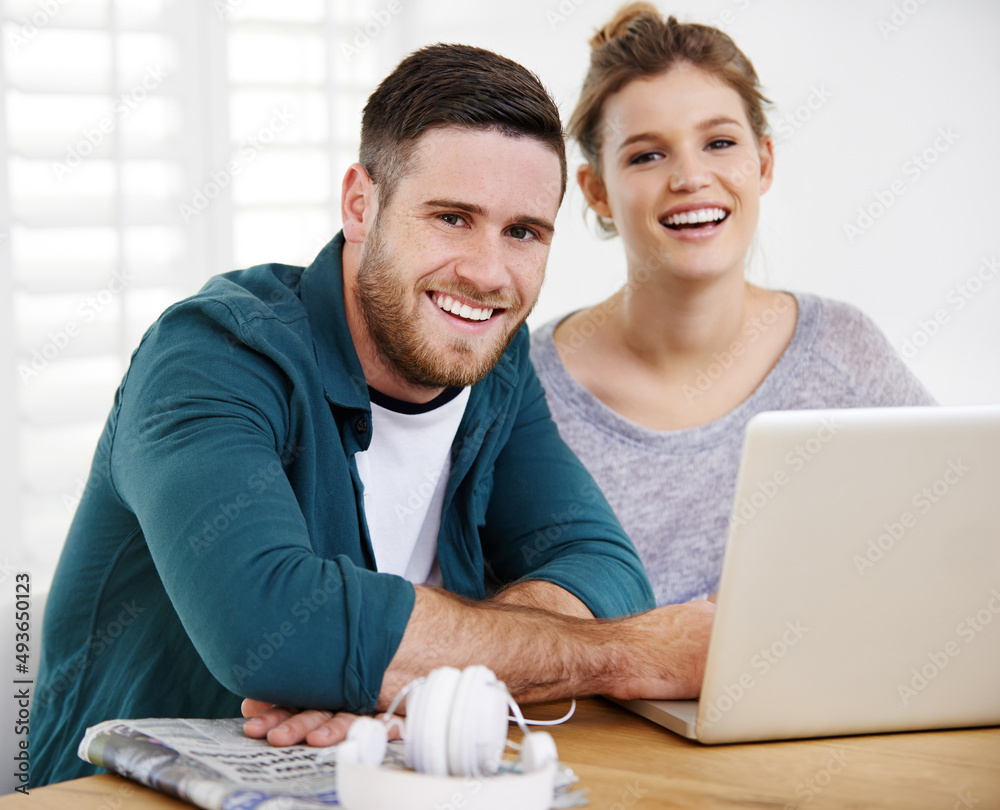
{"x": 212, "y": 764}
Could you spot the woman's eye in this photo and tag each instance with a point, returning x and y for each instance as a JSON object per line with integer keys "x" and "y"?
{"x": 721, "y": 143}
{"x": 645, "y": 157}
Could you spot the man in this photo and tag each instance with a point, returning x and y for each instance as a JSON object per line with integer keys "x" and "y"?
{"x": 296, "y": 457}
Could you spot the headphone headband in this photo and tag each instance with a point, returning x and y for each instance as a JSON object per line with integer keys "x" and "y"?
{"x": 456, "y": 723}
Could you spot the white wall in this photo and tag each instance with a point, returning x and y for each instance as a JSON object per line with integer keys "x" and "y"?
{"x": 884, "y": 79}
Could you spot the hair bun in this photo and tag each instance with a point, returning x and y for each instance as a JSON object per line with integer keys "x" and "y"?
{"x": 618, "y": 25}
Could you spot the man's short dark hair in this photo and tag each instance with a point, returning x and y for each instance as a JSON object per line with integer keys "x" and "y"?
{"x": 457, "y": 86}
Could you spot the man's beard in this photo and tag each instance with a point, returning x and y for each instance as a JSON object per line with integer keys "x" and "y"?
{"x": 390, "y": 313}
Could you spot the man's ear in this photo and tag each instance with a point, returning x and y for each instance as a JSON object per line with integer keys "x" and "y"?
{"x": 593, "y": 189}
{"x": 358, "y": 203}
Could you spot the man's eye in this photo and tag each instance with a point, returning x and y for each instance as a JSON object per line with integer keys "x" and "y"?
{"x": 452, "y": 219}
{"x": 520, "y": 232}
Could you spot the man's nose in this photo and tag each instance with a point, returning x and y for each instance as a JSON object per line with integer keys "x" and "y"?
{"x": 485, "y": 264}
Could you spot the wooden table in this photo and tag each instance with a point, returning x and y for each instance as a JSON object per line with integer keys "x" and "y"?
{"x": 626, "y": 762}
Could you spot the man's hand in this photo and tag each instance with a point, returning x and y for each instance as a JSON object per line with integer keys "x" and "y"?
{"x": 282, "y": 726}
{"x": 665, "y": 651}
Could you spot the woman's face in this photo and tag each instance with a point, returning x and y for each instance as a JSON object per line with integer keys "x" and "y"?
{"x": 682, "y": 175}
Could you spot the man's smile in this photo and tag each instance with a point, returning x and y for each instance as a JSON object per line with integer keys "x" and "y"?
{"x": 465, "y": 311}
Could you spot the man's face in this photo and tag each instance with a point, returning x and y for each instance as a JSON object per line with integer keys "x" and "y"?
{"x": 453, "y": 263}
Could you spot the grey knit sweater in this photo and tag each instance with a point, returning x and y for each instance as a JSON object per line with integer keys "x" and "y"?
{"x": 673, "y": 490}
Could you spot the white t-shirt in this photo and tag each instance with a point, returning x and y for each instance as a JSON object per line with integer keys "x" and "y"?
{"x": 405, "y": 473}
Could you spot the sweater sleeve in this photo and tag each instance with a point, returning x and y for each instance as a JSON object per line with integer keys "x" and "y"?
{"x": 852, "y": 343}
{"x": 199, "y": 455}
{"x": 547, "y": 518}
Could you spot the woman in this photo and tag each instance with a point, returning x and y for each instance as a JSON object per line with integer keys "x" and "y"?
{"x": 654, "y": 386}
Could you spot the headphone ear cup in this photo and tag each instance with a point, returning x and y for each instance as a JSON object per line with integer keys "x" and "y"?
{"x": 538, "y": 749}
{"x": 369, "y": 740}
{"x": 477, "y": 726}
{"x": 415, "y": 704}
{"x": 428, "y": 708}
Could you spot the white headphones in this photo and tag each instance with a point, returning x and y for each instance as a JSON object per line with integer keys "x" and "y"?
{"x": 455, "y": 735}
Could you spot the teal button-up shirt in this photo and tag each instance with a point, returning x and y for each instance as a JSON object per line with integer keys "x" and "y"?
{"x": 220, "y": 549}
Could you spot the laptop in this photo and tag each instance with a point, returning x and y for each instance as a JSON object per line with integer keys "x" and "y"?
{"x": 860, "y": 587}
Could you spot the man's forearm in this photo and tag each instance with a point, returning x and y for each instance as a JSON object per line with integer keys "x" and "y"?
{"x": 541, "y": 655}
{"x": 543, "y": 595}
{"x": 538, "y": 654}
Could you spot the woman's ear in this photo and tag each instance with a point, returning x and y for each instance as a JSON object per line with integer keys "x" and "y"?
{"x": 358, "y": 204}
{"x": 593, "y": 189}
{"x": 766, "y": 150}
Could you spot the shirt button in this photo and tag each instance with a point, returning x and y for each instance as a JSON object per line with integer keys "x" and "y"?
{"x": 361, "y": 425}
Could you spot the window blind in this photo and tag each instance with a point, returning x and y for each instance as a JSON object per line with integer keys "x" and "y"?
{"x": 147, "y": 145}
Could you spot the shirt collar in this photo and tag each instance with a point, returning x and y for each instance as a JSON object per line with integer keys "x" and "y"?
{"x": 322, "y": 294}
